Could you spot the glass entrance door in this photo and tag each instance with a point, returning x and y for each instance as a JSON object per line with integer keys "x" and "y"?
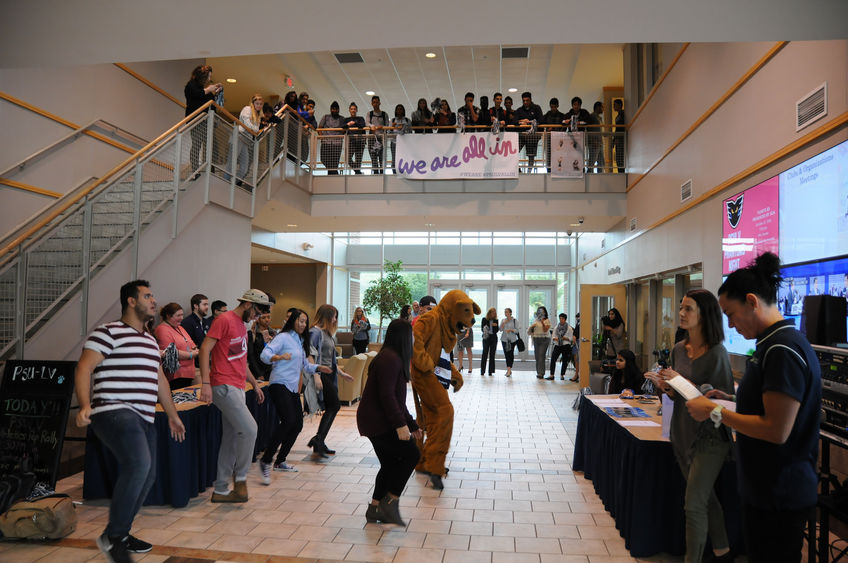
{"x": 538, "y": 296}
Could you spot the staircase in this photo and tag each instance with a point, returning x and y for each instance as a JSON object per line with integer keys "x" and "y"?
{"x": 46, "y": 266}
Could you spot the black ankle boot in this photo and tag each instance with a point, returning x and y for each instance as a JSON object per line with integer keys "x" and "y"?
{"x": 326, "y": 450}
{"x": 390, "y": 510}
{"x": 317, "y": 447}
{"x": 374, "y": 514}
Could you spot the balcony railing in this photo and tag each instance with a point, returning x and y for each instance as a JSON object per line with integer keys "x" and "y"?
{"x": 363, "y": 151}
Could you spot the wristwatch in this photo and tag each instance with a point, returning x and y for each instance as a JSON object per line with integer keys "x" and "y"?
{"x": 715, "y": 415}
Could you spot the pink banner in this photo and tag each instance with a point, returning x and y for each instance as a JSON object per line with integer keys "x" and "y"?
{"x": 750, "y": 225}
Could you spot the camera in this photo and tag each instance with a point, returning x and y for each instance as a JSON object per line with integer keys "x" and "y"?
{"x": 662, "y": 357}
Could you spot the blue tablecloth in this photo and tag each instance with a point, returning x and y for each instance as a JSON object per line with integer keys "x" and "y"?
{"x": 185, "y": 469}
{"x": 641, "y": 485}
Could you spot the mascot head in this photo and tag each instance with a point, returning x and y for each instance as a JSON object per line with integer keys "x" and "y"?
{"x": 459, "y": 310}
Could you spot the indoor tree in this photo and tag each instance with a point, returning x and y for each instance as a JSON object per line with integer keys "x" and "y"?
{"x": 388, "y": 294}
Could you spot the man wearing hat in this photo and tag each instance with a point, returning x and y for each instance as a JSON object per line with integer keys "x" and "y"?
{"x": 426, "y": 304}
{"x": 223, "y": 385}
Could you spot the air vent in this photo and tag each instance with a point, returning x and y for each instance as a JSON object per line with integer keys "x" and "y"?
{"x": 515, "y": 52}
{"x": 633, "y": 225}
{"x": 811, "y": 107}
{"x": 686, "y": 191}
{"x": 349, "y": 58}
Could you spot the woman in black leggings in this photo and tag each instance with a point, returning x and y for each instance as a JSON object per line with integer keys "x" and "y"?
{"x": 509, "y": 336}
{"x": 323, "y": 341}
{"x": 382, "y": 416}
{"x": 287, "y": 353}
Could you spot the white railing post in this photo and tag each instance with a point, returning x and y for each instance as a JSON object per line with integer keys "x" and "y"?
{"x": 253, "y": 183}
{"x": 20, "y": 302}
{"x": 86, "y": 265}
{"x": 136, "y": 225}
{"x": 233, "y": 164}
{"x": 285, "y": 143}
{"x": 177, "y": 174}
{"x": 210, "y": 140}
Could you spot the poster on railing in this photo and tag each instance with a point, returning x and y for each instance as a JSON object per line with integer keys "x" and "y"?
{"x": 566, "y": 154}
{"x": 457, "y": 156}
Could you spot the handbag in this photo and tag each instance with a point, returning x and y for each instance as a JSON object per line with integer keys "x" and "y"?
{"x": 520, "y": 345}
{"x": 170, "y": 361}
{"x": 52, "y": 517}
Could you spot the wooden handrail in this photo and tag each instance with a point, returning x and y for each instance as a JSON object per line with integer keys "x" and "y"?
{"x": 219, "y": 109}
{"x": 65, "y": 122}
{"x": 475, "y": 127}
{"x": 29, "y": 188}
{"x": 83, "y": 193}
{"x": 755, "y": 168}
{"x": 145, "y": 81}
{"x": 293, "y": 111}
{"x": 713, "y": 108}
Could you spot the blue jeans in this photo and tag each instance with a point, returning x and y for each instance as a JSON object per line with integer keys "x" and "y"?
{"x": 132, "y": 441}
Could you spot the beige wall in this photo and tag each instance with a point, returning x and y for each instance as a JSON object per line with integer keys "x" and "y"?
{"x": 292, "y": 285}
{"x": 80, "y": 95}
{"x": 757, "y": 121}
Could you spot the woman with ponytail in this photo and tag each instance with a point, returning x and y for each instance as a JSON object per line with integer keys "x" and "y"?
{"x": 777, "y": 415}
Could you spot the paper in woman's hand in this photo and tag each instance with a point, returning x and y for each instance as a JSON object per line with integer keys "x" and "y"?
{"x": 684, "y": 387}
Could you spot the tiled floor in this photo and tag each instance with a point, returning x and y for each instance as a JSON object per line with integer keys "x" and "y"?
{"x": 510, "y": 496}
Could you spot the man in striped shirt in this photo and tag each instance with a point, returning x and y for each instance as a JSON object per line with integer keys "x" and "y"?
{"x": 128, "y": 379}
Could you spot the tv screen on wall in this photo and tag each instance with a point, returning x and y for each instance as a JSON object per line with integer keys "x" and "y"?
{"x": 750, "y": 225}
{"x": 802, "y": 215}
{"x": 814, "y": 208}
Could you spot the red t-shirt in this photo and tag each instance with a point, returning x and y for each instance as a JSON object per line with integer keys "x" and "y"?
{"x": 229, "y": 355}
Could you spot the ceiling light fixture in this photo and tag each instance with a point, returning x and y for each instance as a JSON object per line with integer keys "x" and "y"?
{"x": 232, "y": 80}
{"x": 290, "y": 225}
{"x": 369, "y": 93}
{"x": 430, "y": 55}
{"x": 513, "y": 90}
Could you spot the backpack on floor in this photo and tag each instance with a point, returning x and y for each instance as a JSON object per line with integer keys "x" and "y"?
{"x": 49, "y": 517}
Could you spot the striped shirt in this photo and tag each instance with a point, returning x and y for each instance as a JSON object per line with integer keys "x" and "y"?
{"x": 128, "y": 376}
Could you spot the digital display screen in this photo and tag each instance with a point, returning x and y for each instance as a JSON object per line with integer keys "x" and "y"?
{"x": 814, "y": 208}
{"x": 750, "y": 225}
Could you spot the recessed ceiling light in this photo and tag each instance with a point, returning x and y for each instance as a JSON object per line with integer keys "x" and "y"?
{"x": 513, "y": 90}
{"x": 290, "y": 225}
{"x": 430, "y": 55}
{"x": 369, "y": 93}
{"x": 232, "y": 80}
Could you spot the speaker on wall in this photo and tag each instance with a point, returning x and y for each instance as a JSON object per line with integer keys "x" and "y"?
{"x": 823, "y": 319}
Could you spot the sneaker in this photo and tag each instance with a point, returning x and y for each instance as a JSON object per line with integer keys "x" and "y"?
{"x": 135, "y": 545}
{"x": 283, "y": 466}
{"x": 265, "y": 468}
{"x": 115, "y": 550}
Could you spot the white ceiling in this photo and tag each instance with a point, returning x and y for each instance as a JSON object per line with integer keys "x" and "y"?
{"x": 44, "y": 33}
{"x": 402, "y": 75}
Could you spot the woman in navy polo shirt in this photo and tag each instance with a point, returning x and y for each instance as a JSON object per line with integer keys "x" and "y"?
{"x": 777, "y": 415}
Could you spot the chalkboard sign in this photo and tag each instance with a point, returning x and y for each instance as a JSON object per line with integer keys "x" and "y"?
{"x": 35, "y": 397}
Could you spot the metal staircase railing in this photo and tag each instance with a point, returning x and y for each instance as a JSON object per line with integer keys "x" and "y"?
{"x": 44, "y": 264}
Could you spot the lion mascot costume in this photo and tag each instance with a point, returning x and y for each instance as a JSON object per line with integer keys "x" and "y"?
{"x": 432, "y": 373}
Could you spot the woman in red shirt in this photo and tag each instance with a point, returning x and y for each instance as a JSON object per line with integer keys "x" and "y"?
{"x": 168, "y": 331}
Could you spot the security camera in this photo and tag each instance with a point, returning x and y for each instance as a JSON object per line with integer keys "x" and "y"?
{"x": 580, "y": 220}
